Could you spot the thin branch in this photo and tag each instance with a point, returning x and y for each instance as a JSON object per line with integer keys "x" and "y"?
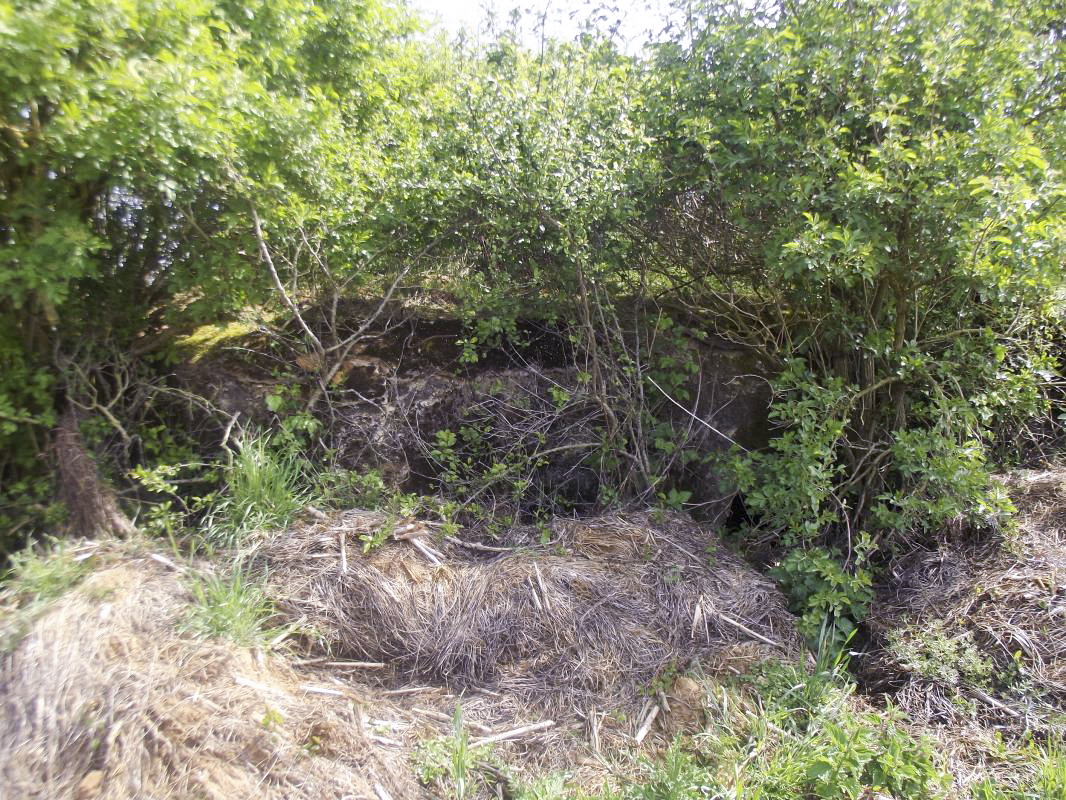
{"x": 264, "y": 252}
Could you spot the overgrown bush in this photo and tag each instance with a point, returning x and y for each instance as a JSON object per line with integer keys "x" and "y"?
{"x": 859, "y": 198}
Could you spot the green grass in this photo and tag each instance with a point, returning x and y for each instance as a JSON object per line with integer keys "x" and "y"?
{"x": 784, "y": 734}
{"x": 232, "y": 607}
{"x": 41, "y": 575}
{"x": 450, "y": 764}
{"x": 264, "y": 489}
{"x": 35, "y": 578}
{"x": 1047, "y": 780}
{"x": 779, "y": 735}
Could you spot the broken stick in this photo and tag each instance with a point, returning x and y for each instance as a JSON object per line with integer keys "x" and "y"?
{"x": 515, "y": 733}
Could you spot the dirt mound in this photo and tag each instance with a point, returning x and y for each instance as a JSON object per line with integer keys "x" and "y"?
{"x": 972, "y": 634}
{"x": 608, "y": 609}
{"x": 103, "y": 699}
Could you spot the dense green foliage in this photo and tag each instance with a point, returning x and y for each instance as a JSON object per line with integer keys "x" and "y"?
{"x": 867, "y": 196}
{"x": 136, "y": 141}
{"x": 894, "y": 237}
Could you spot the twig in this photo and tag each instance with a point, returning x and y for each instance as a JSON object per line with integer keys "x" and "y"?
{"x": 344, "y": 552}
{"x": 380, "y": 791}
{"x": 533, "y": 592}
{"x": 646, "y": 727}
{"x": 264, "y": 251}
{"x": 543, "y": 588}
{"x": 166, "y": 562}
{"x": 696, "y": 616}
{"x": 323, "y": 690}
{"x": 985, "y": 698}
{"x": 414, "y": 533}
{"x": 700, "y": 420}
{"x": 748, "y": 630}
{"x": 514, "y": 733}
{"x": 427, "y": 551}
{"x": 229, "y": 429}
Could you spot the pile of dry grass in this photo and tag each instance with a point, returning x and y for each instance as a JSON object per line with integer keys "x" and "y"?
{"x": 973, "y": 633}
{"x": 562, "y": 656}
{"x": 611, "y": 607}
{"x": 103, "y": 699}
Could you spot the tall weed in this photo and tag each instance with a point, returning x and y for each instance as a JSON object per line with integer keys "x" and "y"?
{"x": 232, "y": 607}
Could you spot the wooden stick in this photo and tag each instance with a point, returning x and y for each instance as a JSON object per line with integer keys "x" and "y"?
{"x": 543, "y": 588}
{"x": 418, "y": 545}
{"x": 748, "y": 630}
{"x": 646, "y": 727}
{"x": 980, "y": 695}
{"x": 166, "y": 562}
{"x": 514, "y": 733}
{"x": 355, "y": 664}
{"x": 414, "y": 533}
{"x": 344, "y": 552}
{"x": 533, "y": 591}
{"x": 696, "y": 615}
{"x": 380, "y": 791}
{"x": 323, "y": 690}
{"x": 281, "y": 637}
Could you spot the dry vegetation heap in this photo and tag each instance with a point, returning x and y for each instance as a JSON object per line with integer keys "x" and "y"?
{"x": 557, "y": 654}
{"x": 590, "y": 620}
{"x": 104, "y": 698}
{"x": 972, "y": 633}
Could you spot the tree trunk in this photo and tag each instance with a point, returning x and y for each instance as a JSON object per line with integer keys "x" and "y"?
{"x": 92, "y": 507}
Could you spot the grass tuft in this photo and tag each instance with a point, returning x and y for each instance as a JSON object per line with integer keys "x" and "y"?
{"x": 264, "y": 489}
{"x": 35, "y": 578}
{"x": 232, "y": 607}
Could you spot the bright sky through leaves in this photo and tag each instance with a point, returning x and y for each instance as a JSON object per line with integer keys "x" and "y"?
{"x": 564, "y": 18}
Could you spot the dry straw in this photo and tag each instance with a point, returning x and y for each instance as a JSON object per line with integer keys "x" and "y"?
{"x": 557, "y": 656}
{"x": 996, "y": 609}
{"x": 102, "y": 699}
{"x": 611, "y": 607}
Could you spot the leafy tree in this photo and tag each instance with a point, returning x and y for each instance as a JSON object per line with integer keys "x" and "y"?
{"x": 133, "y": 137}
{"x": 875, "y": 199}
